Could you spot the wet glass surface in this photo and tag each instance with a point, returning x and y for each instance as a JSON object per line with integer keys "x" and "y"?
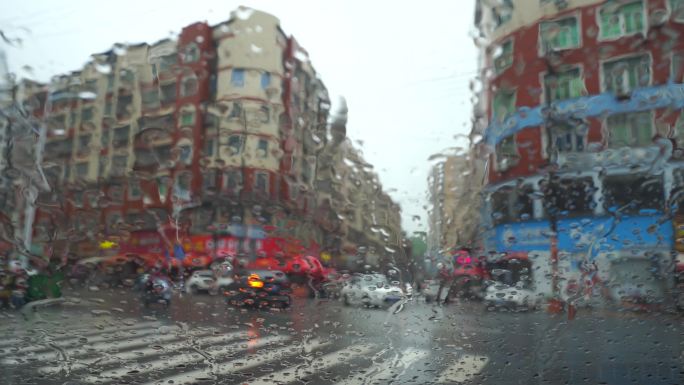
{"x": 485, "y": 192}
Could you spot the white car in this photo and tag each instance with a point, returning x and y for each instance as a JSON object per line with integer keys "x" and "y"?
{"x": 201, "y": 280}
{"x": 370, "y": 290}
{"x": 502, "y": 295}
{"x": 207, "y": 281}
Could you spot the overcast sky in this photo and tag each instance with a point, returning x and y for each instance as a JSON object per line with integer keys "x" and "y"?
{"x": 403, "y": 66}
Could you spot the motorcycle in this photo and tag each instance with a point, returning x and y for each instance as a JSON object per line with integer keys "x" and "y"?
{"x": 157, "y": 290}
{"x": 260, "y": 288}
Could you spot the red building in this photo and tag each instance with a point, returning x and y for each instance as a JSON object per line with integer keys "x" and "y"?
{"x": 582, "y": 112}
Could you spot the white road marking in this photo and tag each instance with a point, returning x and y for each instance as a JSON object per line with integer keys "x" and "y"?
{"x": 69, "y": 332}
{"x": 136, "y": 354}
{"x": 326, "y": 361}
{"x": 463, "y": 370}
{"x": 182, "y": 358}
{"x": 258, "y": 359}
{"x": 78, "y": 342}
{"x": 388, "y": 369}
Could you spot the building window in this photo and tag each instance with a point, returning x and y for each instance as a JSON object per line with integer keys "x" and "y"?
{"x": 82, "y": 169}
{"x": 237, "y": 77}
{"x": 264, "y": 114}
{"x": 167, "y": 62}
{"x": 124, "y": 106}
{"x": 87, "y": 114}
{"x": 677, "y": 71}
{"x": 262, "y": 149}
{"x": 168, "y": 93}
{"x": 113, "y": 219}
{"x": 119, "y": 165}
{"x": 235, "y": 144}
{"x": 209, "y": 180}
{"x": 90, "y": 85}
{"x": 572, "y": 197}
{"x": 73, "y": 116}
{"x": 109, "y": 108}
{"x": 101, "y": 166}
{"x": 506, "y": 152}
{"x": 503, "y": 12}
{"x": 623, "y": 75}
{"x": 505, "y": 57}
{"x": 126, "y": 77}
{"x": 236, "y": 112}
{"x": 679, "y": 131}
{"x": 511, "y": 204}
{"x": 677, "y": 7}
{"x": 185, "y": 153}
{"x": 559, "y": 34}
{"x": 190, "y": 85}
{"x": 563, "y": 85}
{"x": 187, "y": 118}
{"x": 181, "y": 188}
{"x": 567, "y": 138}
{"x": 110, "y": 82}
{"x": 116, "y": 194}
{"x": 633, "y": 129}
{"x": 503, "y": 104}
{"x": 84, "y": 142}
{"x": 134, "y": 191}
{"x": 150, "y": 98}
{"x": 191, "y": 53}
{"x": 163, "y": 187}
{"x": 633, "y": 192}
{"x": 618, "y": 20}
{"x": 210, "y": 121}
{"x": 121, "y": 136}
{"x": 209, "y": 146}
{"x": 265, "y": 80}
{"x": 232, "y": 180}
{"x": 261, "y": 182}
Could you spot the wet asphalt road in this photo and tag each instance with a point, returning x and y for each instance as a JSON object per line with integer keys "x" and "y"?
{"x": 108, "y": 337}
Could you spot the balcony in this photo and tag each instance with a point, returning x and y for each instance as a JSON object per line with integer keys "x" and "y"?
{"x": 614, "y": 157}
{"x": 642, "y": 99}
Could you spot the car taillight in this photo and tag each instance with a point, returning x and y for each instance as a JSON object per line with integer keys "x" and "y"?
{"x": 255, "y": 281}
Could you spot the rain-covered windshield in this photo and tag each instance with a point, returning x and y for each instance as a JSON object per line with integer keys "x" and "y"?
{"x": 342, "y": 192}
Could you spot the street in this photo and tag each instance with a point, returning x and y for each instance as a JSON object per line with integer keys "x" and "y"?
{"x": 108, "y": 337}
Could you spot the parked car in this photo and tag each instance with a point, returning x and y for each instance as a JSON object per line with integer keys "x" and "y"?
{"x": 370, "y": 290}
{"x": 501, "y": 295}
{"x": 259, "y": 288}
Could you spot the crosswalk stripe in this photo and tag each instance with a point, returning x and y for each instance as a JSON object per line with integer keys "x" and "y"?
{"x": 102, "y": 348}
{"x": 93, "y": 345}
{"x": 240, "y": 364}
{"x": 79, "y": 342}
{"x": 463, "y": 370}
{"x": 323, "y": 362}
{"x": 150, "y": 350}
{"x": 388, "y": 369}
{"x": 180, "y": 358}
{"x": 69, "y": 334}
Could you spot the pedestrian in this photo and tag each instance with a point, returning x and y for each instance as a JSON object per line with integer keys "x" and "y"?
{"x": 445, "y": 281}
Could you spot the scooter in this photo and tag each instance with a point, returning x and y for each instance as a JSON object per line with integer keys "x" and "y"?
{"x": 157, "y": 290}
